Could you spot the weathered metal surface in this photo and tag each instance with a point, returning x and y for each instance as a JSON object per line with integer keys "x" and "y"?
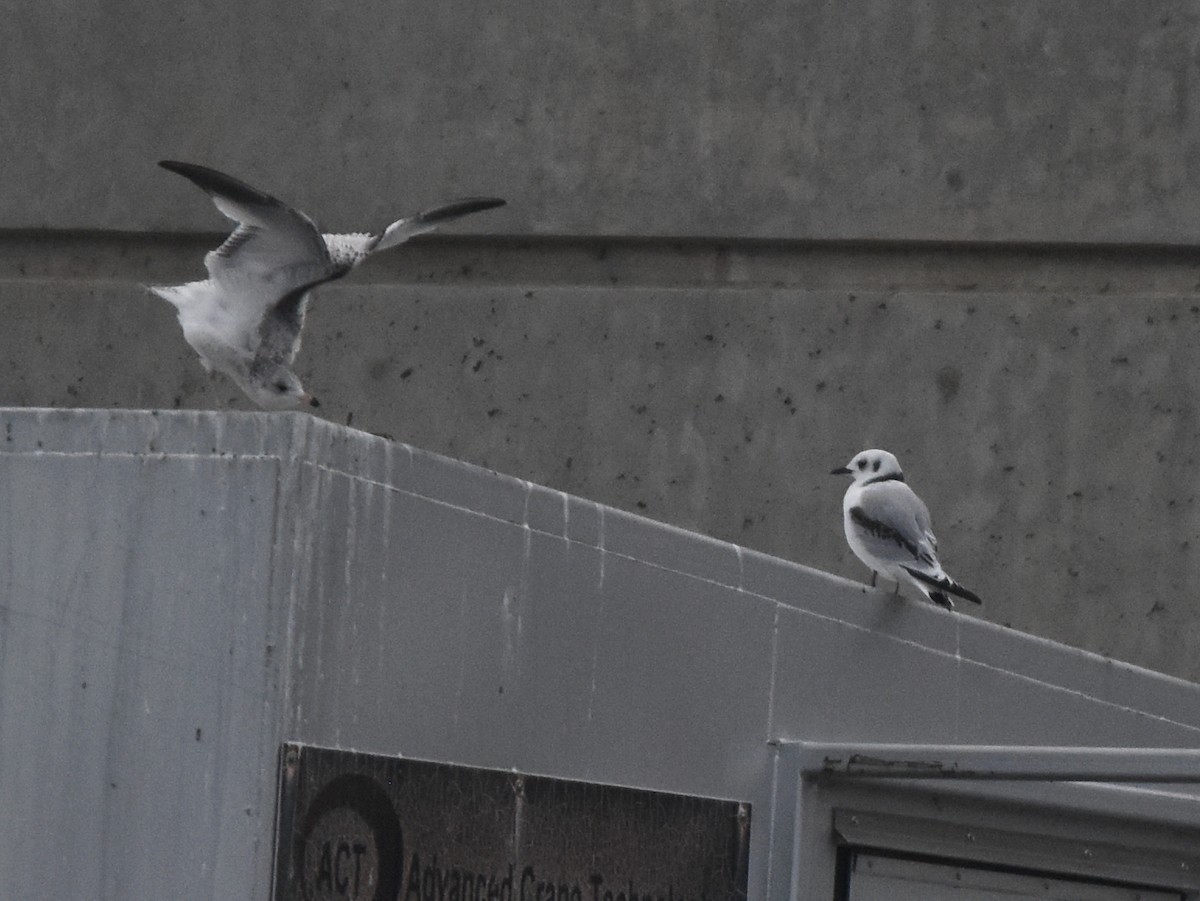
{"x": 1001, "y": 762}
{"x": 369, "y": 828}
{"x": 182, "y": 592}
{"x": 881, "y": 878}
{"x": 1134, "y": 860}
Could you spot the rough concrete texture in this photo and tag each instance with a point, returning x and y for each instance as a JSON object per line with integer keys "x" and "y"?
{"x": 1038, "y": 391}
{"x": 1052, "y": 436}
{"x": 843, "y": 118}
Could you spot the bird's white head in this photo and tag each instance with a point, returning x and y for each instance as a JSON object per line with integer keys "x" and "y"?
{"x": 281, "y": 390}
{"x": 872, "y": 465}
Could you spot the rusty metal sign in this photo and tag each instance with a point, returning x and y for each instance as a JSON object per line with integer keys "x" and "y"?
{"x": 359, "y": 827}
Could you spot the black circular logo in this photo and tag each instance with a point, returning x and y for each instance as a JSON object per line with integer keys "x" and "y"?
{"x": 350, "y": 847}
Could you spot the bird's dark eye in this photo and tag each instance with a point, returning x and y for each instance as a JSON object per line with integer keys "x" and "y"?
{"x": 862, "y": 464}
{"x": 875, "y": 465}
{"x": 281, "y": 387}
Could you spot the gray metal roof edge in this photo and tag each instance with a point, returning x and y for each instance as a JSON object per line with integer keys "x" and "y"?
{"x": 990, "y": 644}
{"x": 798, "y": 590}
{"x": 142, "y": 432}
{"x": 787, "y": 583}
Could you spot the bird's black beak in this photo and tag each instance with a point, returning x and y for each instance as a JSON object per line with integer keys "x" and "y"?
{"x": 313, "y": 402}
{"x": 840, "y": 471}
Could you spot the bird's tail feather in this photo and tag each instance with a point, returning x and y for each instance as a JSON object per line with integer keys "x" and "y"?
{"x": 179, "y": 296}
{"x": 168, "y": 293}
{"x": 941, "y": 599}
{"x": 403, "y": 229}
{"x": 946, "y": 585}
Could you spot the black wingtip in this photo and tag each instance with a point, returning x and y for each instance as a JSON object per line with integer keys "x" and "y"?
{"x": 191, "y": 171}
{"x": 213, "y": 182}
{"x": 479, "y": 204}
{"x": 941, "y": 600}
{"x": 458, "y": 208}
{"x": 948, "y": 585}
{"x": 965, "y": 593}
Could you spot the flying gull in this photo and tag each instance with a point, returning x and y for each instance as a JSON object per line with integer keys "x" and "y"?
{"x": 245, "y": 319}
{"x": 888, "y": 528}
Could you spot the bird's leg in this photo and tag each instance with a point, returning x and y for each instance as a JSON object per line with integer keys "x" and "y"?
{"x": 874, "y": 576}
{"x": 897, "y": 591}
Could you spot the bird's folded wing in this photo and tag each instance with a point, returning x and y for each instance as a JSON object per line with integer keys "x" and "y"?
{"x": 889, "y": 520}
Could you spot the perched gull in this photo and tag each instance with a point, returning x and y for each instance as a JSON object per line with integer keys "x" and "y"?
{"x": 245, "y": 318}
{"x": 888, "y": 528}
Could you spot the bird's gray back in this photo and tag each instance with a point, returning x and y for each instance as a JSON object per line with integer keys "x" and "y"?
{"x": 894, "y": 523}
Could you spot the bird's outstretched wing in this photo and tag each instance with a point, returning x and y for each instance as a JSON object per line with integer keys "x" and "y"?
{"x": 273, "y": 250}
{"x": 403, "y": 229}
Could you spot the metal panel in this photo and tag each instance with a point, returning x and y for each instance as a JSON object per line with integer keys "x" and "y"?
{"x": 431, "y": 629}
{"x": 875, "y": 878}
{"x": 817, "y": 693}
{"x": 183, "y": 591}
{"x": 1000, "y": 763}
{"x": 976, "y": 842}
{"x": 1066, "y": 828}
{"x": 137, "y": 673}
{"x": 377, "y": 828}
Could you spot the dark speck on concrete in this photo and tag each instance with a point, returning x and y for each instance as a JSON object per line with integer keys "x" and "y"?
{"x": 379, "y": 368}
{"x": 948, "y": 379}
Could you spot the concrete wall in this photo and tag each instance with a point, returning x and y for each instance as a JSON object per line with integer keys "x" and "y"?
{"x": 737, "y": 251}
{"x": 181, "y": 592}
{"x": 950, "y": 120}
